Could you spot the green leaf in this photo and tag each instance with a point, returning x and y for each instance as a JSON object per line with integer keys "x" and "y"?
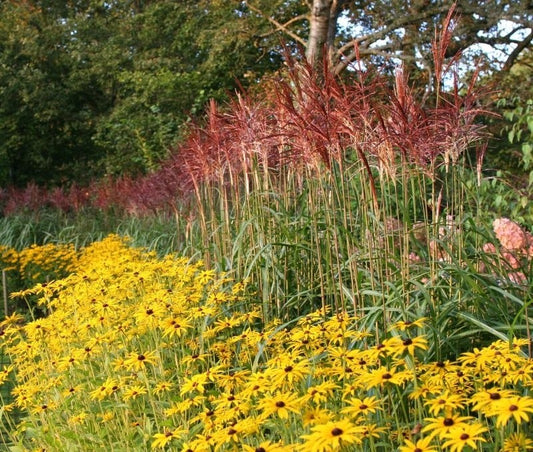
{"x": 527, "y": 155}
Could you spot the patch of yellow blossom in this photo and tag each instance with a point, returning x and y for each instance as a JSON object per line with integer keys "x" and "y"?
{"x": 141, "y": 352}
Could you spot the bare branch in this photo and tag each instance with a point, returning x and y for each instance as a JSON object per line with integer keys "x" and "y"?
{"x": 279, "y": 26}
{"x": 518, "y": 49}
{"x": 392, "y": 25}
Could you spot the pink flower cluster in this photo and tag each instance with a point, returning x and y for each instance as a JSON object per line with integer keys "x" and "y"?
{"x": 516, "y": 247}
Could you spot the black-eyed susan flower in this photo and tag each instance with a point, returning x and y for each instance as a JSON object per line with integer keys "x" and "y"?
{"x": 369, "y": 430}
{"x": 107, "y": 388}
{"x": 517, "y": 408}
{"x": 316, "y": 415}
{"x": 486, "y": 401}
{"x": 363, "y": 406}
{"x": 444, "y": 424}
{"x": 162, "y": 387}
{"x": 398, "y": 345}
{"x": 465, "y": 435}
{"x": 517, "y": 442}
{"x": 267, "y": 446}
{"x": 384, "y": 376}
{"x": 194, "y": 384}
{"x": 290, "y": 372}
{"x": 161, "y": 440}
{"x": 403, "y": 325}
{"x": 421, "y": 445}
{"x": 321, "y": 392}
{"x": 77, "y": 419}
{"x": 445, "y": 402}
{"x": 331, "y": 436}
{"x": 235, "y": 432}
{"x": 279, "y": 404}
{"x": 174, "y": 326}
{"x": 132, "y": 392}
{"x": 138, "y": 361}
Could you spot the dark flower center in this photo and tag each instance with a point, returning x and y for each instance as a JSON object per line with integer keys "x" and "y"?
{"x": 448, "y": 422}
{"x": 288, "y": 369}
{"x": 513, "y": 408}
{"x": 337, "y": 431}
{"x": 387, "y": 376}
{"x": 495, "y": 396}
{"x": 141, "y": 357}
{"x": 464, "y": 436}
{"x": 407, "y": 342}
{"x": 280, "y": 404}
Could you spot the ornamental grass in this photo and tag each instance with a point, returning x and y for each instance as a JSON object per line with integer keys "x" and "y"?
{"x": 140, "y": 352}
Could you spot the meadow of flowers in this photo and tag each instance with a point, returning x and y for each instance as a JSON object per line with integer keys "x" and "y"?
{"x": 141, "y": 352}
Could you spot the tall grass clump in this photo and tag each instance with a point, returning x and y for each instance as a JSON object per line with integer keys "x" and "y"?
{"x": 356, "y": 194}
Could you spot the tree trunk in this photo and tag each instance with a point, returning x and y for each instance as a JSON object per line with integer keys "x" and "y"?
{"x": 322, "y": 30}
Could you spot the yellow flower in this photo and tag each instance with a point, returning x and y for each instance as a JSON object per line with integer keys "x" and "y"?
{"x": 43, "y": 408}
{"x": 289, "y": 372}
{"x": 4, "y": 373}
{"x": 465, "y": 435}
{"x": 162, "y": 439}
{"x": 517, "y": 442}
{"x": 382, "y": 376}
{"x": 422, "y": 445}
{"x": 235, "y": 432}
{"x": 486, "y": 401}
{"x": 163, "y": 386}
{"x": 445, "y": 402}
{"x": 402, "y": 325}
{"x": 107, "y": 388}
{"x": 398, "y": 345}
{"x": 516, "y": 407}
{"x": 267, "y": 446}
{"x": 331, "y": 436}
{"x": 444, "y": 424}
{"x": 132, "y": 392}
{"x": 280, "y": 404}
{"x": 174, "y": 326}
{"x": 77, "y": 419}
{"x": 107, "y": 416}
{"x": 316, "y": 416}
{"x": 365, "y": 406}
{"x": 195, "y": 383}
{"x": 138, "y": 361}
{"x": 321, "y": 392}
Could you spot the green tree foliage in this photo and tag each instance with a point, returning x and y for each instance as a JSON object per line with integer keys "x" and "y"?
{"x": 89, "y": 88}
{"x": 45, "y": 113}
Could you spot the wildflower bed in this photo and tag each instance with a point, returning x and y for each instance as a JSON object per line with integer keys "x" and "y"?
{"x": 139, "y": 352}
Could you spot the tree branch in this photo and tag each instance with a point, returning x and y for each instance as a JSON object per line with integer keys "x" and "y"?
{"x": 280, "y": 26}
{"x": 392, "y": 25}
{"x": 517, "y": 50}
